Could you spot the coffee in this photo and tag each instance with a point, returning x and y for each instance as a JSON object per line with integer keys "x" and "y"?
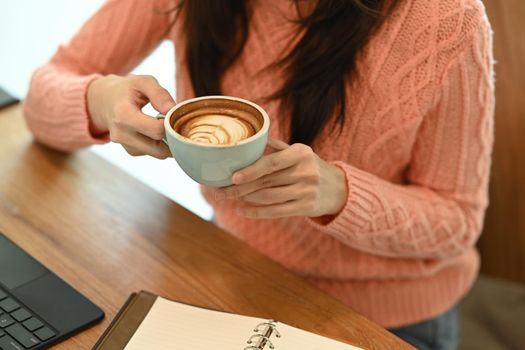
{"x": 217, "y": 126}
{"x": 211, "y": 137}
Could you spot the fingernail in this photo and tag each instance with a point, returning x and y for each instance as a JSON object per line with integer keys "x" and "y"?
{"x": 169, "y": 104}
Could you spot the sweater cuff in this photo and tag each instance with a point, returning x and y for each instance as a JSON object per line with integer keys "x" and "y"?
{"x": 355, "y": 215}
{"x": 76, "y": 104}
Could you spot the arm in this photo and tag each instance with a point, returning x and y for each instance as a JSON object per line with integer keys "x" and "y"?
{"x": 440, "y": 212}
{"x": 113, "y": 41}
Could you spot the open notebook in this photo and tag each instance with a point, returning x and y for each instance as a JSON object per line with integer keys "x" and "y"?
{"x": 150, "y": 322}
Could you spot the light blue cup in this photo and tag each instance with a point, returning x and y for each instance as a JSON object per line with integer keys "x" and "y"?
{"x": 214, "y": 165}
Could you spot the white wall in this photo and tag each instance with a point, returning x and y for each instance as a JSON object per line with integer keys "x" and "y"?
{"x": 30, "y": 33}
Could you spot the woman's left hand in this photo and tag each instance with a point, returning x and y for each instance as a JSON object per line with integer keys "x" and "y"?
{"x": 291, "y": 181}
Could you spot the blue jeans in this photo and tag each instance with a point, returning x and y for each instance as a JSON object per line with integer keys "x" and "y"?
{"x": 440, "y": 333}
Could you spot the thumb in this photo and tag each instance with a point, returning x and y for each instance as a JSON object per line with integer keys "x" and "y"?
{"x": 159, "y": 97}
{"x": 277, "y": 144}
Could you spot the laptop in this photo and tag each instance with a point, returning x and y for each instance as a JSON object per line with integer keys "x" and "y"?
{"x": 6, "y": 99}
{"x": 37, "y": 308}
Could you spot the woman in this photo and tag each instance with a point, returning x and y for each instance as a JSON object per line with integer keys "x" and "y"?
{"x": 382, "y": 118}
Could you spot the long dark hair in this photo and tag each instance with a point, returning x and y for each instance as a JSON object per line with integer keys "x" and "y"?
{"x": 317, "y": 68}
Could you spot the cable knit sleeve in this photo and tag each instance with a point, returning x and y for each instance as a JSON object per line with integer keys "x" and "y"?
{"x": 113, "y": 41}
{"x": 440, "y": 211}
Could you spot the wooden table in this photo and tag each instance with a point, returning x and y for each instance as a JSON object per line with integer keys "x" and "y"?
{"x": 109, "y": 235}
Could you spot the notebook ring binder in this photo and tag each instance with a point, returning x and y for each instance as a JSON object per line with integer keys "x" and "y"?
{"x": 270, "y": 345}
{"x": 146, "y": 321}
{"x": 272, "y": 324}
{"x": 263, "y": 336}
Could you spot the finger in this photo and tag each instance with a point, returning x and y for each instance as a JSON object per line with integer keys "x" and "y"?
{"x": 274, "y": 146}
{"x": 131, "y": 118}
{"x": 278, "y": 144}
{"x": 132, "y": 151}
{"x": 159, "y": 97}
{"x": 280, "y": 178}
{"x": 266, "y": 165}
{"x": 145, "y": 145}
{"x": 274, "y": 195}
{"x": 293, "y": 208}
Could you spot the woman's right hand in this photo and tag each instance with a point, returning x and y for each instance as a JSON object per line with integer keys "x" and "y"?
{"x": 115, "y": 103}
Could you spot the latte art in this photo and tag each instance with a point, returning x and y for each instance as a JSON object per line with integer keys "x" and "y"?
{"x": 217, "y": 128}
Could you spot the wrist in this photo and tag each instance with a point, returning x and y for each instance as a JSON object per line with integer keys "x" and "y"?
{"x": 97, "y": 124}
{"x": 339, "y": 191}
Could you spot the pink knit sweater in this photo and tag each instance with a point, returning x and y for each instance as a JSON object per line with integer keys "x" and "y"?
{"x": 416, "y": 146}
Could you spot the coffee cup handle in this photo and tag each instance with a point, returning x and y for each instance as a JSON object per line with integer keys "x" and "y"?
{"x": 161, "y": 116}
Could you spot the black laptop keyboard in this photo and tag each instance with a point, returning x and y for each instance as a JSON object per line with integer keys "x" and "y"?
{"x": 20, "y": 328}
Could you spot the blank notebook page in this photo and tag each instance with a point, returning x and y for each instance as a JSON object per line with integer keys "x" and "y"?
{"x": 172, "y": 325}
